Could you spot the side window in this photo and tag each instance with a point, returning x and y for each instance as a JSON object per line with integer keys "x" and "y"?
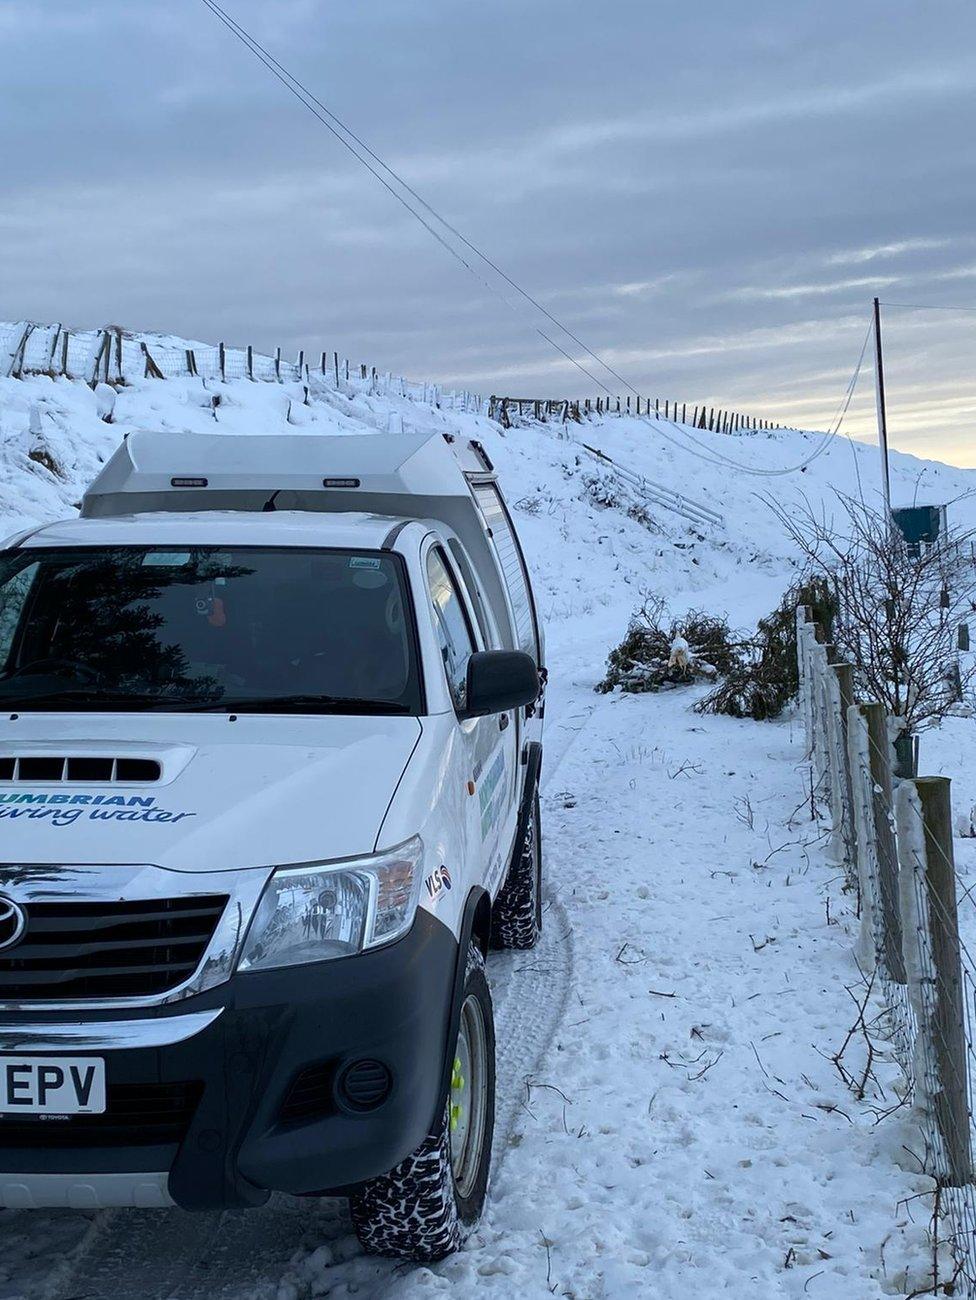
{"x": 510, "y": 557}
{"x": 451, "y": 620}
{"x": 462, "y": 564}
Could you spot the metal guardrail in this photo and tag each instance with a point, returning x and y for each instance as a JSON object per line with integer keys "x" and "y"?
{"x": 695, "y": 511}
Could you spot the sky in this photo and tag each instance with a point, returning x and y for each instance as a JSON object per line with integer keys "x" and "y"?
{"x": 709, "y": 195}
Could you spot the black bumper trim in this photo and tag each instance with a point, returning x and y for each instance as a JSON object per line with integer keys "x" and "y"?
{"x": 392, "y": 1006}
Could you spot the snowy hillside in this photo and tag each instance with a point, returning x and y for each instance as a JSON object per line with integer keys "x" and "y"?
{"x": 669, "y": 1125}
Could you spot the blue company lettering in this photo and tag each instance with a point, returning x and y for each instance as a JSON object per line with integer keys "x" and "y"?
{"x": 66, "y": 809}
{"x": 489, "y": 787}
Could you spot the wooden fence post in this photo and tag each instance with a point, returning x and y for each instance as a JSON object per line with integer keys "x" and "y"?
{"x": 64, "y": 352}
{"x": 152, "y": 370}
{"x": 17, "y": 359}
{"x": 928, "y": 893}
{"x": 844, "y": 674}
{"x": 835, "y": 764}
{"x": 223, "y": 363}
{"x": 886, "y": 848}
{"x": 101, "y": 359}
{"x": 803, "y": 617}
{"x": 250, "y": 362}
{"x": 52, "y": 355}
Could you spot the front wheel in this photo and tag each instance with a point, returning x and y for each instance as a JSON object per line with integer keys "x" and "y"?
{"x": 423, "y": 1209}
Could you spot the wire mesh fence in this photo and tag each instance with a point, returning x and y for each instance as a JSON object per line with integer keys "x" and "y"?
{"x": 893, "y": 838}
{"x": 115, "y": 356}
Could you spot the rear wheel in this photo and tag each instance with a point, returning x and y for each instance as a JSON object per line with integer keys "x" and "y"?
{"x": 516, "y": 917}
{"x": 423, "y": 1209}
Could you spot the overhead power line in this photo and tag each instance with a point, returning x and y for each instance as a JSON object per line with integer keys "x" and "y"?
{"x": 431, "y": 219}
{"x": 716, "y": 457}
{"x": 376, "y": 166}
{"x": 926, "y": 306}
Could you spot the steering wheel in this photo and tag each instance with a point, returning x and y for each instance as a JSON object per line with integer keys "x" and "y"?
{"x": 83, "y": 672}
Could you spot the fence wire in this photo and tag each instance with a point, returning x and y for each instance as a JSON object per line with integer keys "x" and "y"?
{"x": 910, "y": 943}
{"x": 115, "y": 356}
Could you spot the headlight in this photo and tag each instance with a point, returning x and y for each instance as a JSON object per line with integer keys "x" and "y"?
{"x": 329, "y": 910}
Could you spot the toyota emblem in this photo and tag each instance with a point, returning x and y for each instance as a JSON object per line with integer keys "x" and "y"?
{"x": 13, "y": 923}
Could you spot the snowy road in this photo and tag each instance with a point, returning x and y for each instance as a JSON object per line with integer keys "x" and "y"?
{"x": 677, "y": 1131}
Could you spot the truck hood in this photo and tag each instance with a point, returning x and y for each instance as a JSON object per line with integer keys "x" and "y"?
{"x": 259, "y": 791}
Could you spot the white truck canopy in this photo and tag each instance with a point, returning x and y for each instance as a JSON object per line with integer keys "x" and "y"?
{"x": 406, "y": 476}
{"x": 362, "y": 472}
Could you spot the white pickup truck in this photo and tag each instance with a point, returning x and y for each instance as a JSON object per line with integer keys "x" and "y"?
{"x": 270, "y": 741}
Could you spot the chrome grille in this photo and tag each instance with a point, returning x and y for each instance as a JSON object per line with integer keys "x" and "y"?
{"x": 81, "y": 950}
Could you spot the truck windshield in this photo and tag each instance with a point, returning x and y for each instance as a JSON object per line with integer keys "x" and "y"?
{"x": 268, "y": 630}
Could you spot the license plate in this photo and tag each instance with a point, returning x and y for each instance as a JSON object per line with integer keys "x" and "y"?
{"x": 51, "y": 1085}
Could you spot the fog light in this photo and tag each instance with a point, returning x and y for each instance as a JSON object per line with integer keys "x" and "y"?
{"x": 364, "y": 1086}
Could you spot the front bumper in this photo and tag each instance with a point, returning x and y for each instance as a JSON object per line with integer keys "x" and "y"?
{"x": 232, "y": 1055}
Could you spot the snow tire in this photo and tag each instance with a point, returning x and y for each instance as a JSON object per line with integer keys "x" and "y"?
{"x": 516, "y": 917}
{"x": 415, "y": 1211}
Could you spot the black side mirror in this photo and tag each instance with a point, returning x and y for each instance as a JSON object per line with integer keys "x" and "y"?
{"x": 499, "y": 680}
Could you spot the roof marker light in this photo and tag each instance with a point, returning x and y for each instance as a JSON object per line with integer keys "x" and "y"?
{"x": 188, "y": 482}
{"x": 341, "y": 482}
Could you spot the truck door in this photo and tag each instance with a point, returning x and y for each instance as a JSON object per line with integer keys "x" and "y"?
{"x": 525, "y": 631}
{"x": 489, "y": 744}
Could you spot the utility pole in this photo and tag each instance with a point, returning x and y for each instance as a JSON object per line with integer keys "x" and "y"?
{"x": 882, "y": 413}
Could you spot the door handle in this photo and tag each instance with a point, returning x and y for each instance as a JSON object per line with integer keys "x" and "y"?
{"x": 503, "y": 721}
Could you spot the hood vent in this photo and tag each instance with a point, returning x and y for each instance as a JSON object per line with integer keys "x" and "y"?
{"x": 101, "y": 770}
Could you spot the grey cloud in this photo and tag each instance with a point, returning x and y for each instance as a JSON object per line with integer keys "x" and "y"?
{"x": 709, "y": 194}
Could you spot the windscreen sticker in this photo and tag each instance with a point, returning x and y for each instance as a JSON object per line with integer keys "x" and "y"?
{"x": 166, "y": 559}
{"x": 66, "y": 809}
{"x": 364, "y": 562}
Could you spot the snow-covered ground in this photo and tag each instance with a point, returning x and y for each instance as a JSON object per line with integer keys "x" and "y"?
{"x": 671, "y": 1123}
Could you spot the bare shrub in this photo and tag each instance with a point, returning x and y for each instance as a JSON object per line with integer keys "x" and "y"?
{"x": 898, "y": 607}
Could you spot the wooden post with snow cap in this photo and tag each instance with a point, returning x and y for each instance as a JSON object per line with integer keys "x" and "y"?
{"x": 927, "y": 892}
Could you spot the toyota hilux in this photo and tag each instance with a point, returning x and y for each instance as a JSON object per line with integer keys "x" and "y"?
{"x": 270, "y": 742}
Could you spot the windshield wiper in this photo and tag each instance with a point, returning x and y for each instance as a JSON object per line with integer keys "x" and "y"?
{"x": 110, "y": 700}
{"x": 120, "y": 701}
{"x": 298, "y": 704}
